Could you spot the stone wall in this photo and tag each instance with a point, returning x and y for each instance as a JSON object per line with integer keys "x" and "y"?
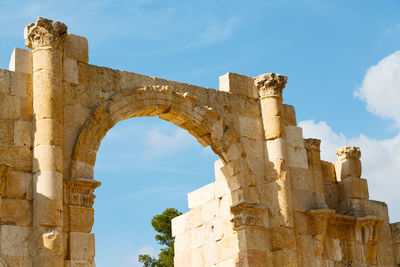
{"x": 273, "y": 202}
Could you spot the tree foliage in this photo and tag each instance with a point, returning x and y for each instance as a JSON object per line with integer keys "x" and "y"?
{"x": 162, "y": 224}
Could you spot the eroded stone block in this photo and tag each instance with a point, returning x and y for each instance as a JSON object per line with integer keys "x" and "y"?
{"x": 14, "y": 240}
{"x": 81, "y": 246}
{"x": 21, "y": 61}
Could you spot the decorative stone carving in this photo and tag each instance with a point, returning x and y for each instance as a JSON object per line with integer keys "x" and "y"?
{"x": 246, "y": 214}
{"x": 4, "y": 169}
{"x": 312, "y": 144}
{"x": 367, "y": 232}
{"x": 348, "y": 152}
{"x": 270, "y": 84}
{"x": 45, "y": 33}
{"x": 81, "y": 192}
{"x": 320, "y": 218}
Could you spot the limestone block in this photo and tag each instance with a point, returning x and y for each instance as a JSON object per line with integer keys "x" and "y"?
{"x": 209, "y": 210}
{"x": 182, "y": 243}
{"x": 228, "y": 247}
{"x": 76, "y": 47}
{"x": 19, "y": 157}
{"x": 15, "y": 240}
{"x": 9, "y": 106}
{"x": 221, "y": 188}
{"x": 276, "y": 149}
{"x": 81, "y": 246}
{"x": 49, "y": 152}
{"x": 301, "y": 179}
{"x": 353, "y": 187}
{"x": 215, "y": 229}
{"x": 50, "y": 133}
{"x": 194, "y": 218}
{"x": 285, "y": 257}
{"x": 23, "y": 133}
{"x": 16, "y": 211}
{"x": 397, "y": 253}
{"x": 19, "y": 184}
{"x": 182, "y": 259}
{"x": 17, "y": 261}
{"x": 250, "y": 127}
{"x": 81, "y": 219}
{"x": 178, "y": 224}
{"x": 395, "y": 230}
{"x": 303, "y": 200}
{"x": 5, "y": 76}
{"x": 305, "y": 245}
{"x": 328, "y": 171}
{"x": 238, "y": 84}
{"x": 201, "y": 196}
{"x": 209, "y": 252}
{"x": 21, "y": 84}
{"x": 297, "y": 157}
{"x": 6, "y": 131}
{"x": 348, "y": 164}
{"x": 197, "y": 258}
{"x": 289, "y": 115}
{"x": 21, "y": 61}
{"x": 70, "y": 70}
{"x": 294, "y": 136}
{"x": 334, "y": 249}
{"x": 254, "y": 149}
{"x": 25, "y": 108}
{"x": 198, "y": 237}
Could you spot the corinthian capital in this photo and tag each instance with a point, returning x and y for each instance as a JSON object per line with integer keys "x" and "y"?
{"x": 45, "y": 33}
{"x": 270, "y": 84}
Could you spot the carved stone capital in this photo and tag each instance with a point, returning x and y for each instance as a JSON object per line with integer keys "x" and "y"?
{"x": 312, "y": 144}
{"x": 270, "y": 84}
{"x": 45, "y": 33}
{"x": 246, "y": 214}
{"x": 348, "y": 152}
{"x": 81, "y": 192}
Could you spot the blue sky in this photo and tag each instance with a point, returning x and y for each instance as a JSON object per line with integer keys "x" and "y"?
{"x": 344, "y": 80}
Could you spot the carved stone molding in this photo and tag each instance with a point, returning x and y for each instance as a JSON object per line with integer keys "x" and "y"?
{"x": 4, "y": 170}
{"x": 81, "y": 192}
{"x": 320, "y": 218}
{"x": 312, "y": 144}
{"x": 246, "y": 214}
{"x": 348, "y": 152}
{"x": 270, "y": 84}
{"x": 45, "y": 33}
{"x": 367, "y": 232}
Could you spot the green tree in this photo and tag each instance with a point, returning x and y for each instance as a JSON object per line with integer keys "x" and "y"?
{"x": 162, "y": 224}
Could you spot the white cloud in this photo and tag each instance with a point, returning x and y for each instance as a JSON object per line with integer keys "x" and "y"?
{"x": 381, "y": 88}
{"x": 380, "y": 160}
{"x": 160, "y": 144}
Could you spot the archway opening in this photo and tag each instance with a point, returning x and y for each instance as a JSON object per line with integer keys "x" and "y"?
{"x": 145, "y": 165}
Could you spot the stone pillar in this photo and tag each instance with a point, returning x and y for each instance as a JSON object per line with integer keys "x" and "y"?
{"x": 46, "y": 37}
{"x": 314, "y": 162}
{"x": 351, "y": 186}
{"x": 279, "y": 195}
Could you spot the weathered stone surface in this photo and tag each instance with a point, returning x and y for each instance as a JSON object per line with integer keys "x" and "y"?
{"x": 273, "y": 202}
{"x": 14, "y": 240}
{"x": 21, "y": 61}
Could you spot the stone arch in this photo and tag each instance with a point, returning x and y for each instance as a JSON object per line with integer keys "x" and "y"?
{"x": 182, "y": 109}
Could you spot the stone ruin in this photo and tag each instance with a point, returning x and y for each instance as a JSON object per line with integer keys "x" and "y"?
{"x": 274, "y": 202}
